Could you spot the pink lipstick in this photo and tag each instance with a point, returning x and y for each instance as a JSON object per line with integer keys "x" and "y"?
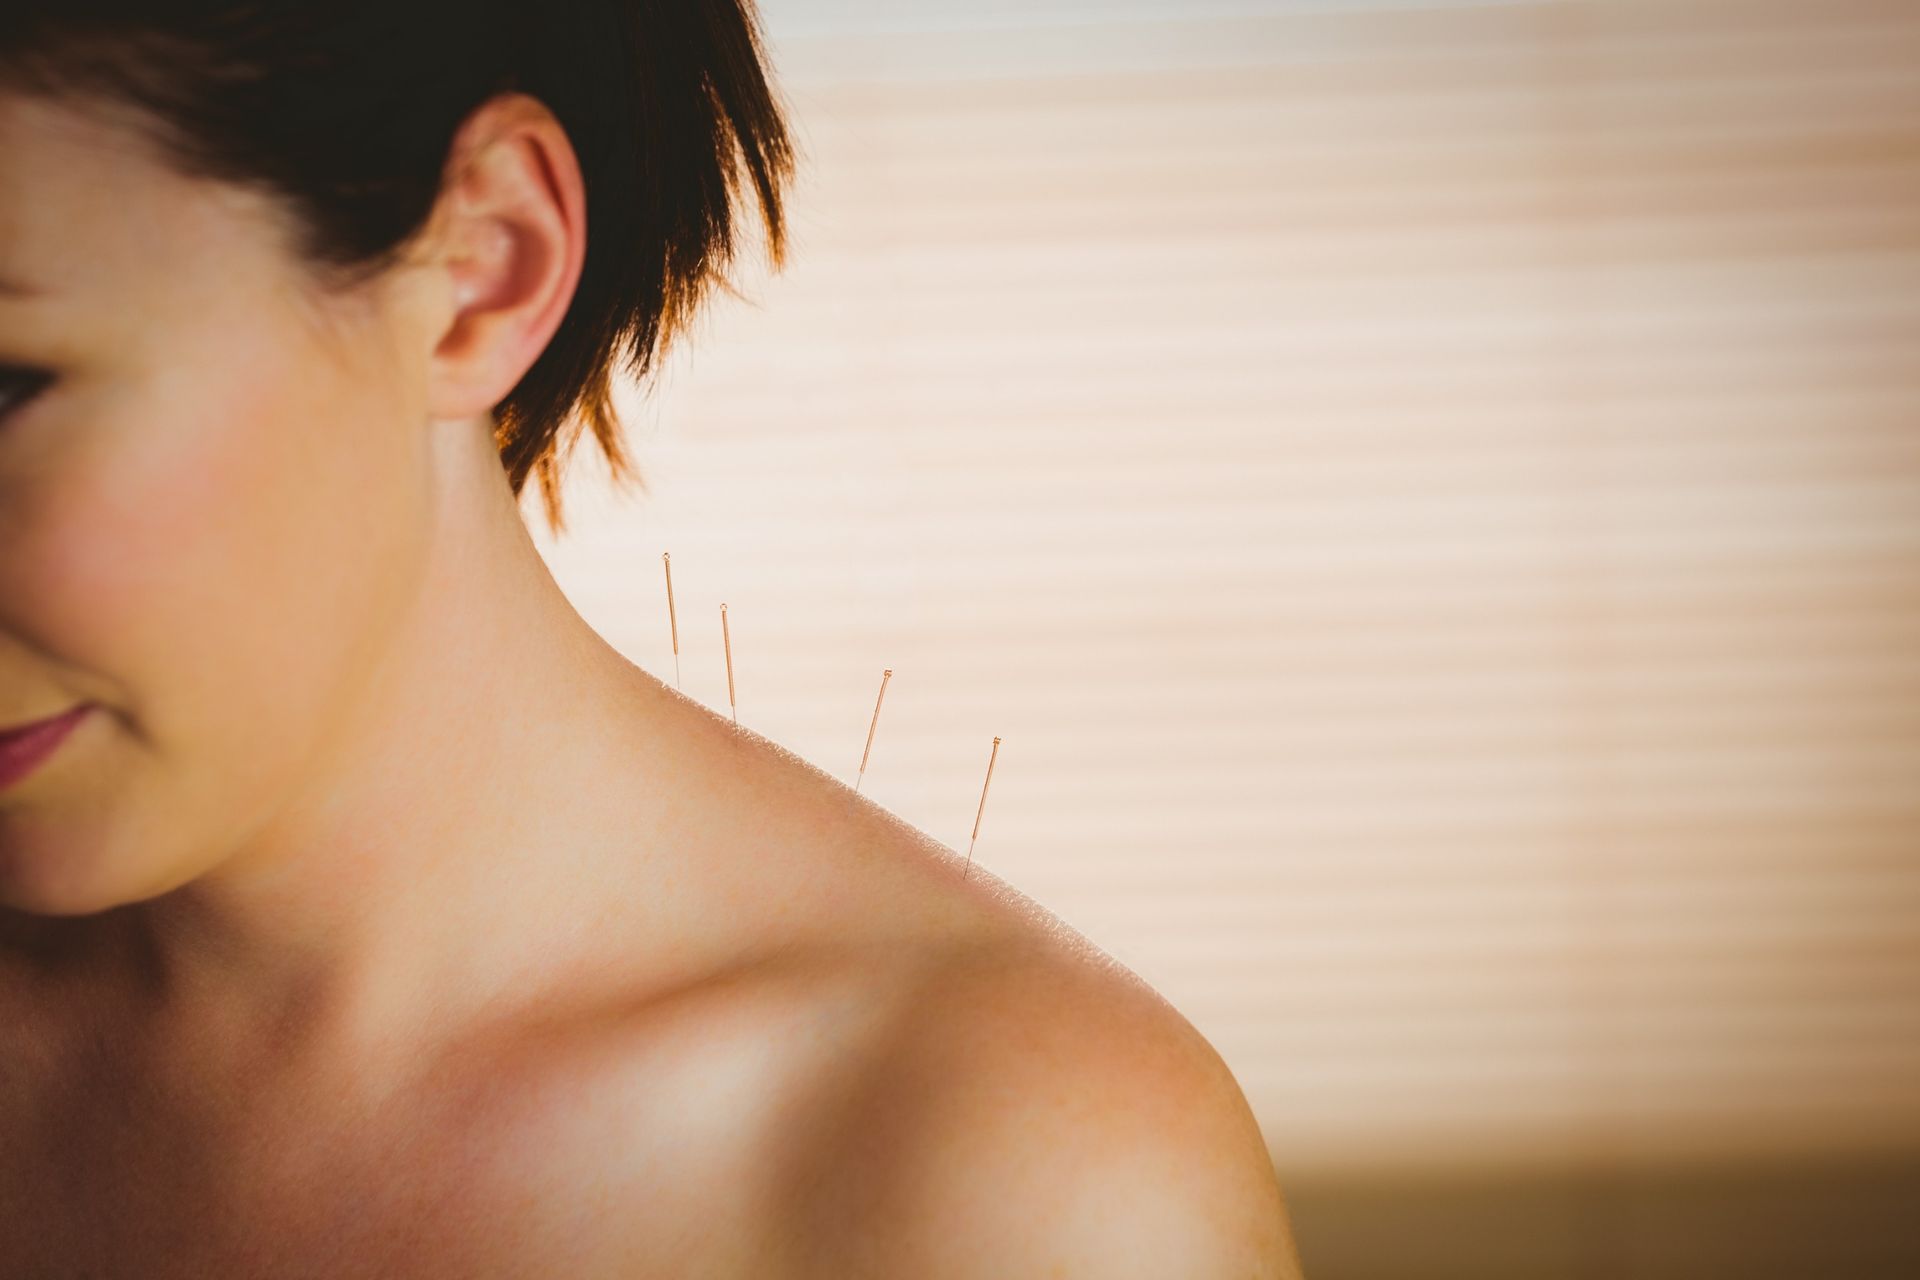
{"x": 26, "y": 747}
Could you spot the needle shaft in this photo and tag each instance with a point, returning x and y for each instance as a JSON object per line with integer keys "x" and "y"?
{"x": 885, "y": 676}
{"x": 726, "y": 638}
{"x": 673, "y": 623}
{"x": 983, "y": 807}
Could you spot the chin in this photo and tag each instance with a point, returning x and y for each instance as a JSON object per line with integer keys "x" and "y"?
{"x": 56, "y": 869}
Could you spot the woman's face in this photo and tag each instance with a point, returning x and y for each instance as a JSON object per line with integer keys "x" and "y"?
{"x": 210, "y": 517}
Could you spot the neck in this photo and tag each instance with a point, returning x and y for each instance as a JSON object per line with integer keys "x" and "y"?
{"x": 503, "y": 761}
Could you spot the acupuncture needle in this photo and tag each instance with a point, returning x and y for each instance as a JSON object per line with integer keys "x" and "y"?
{"x": 672, "y": 622}
{"x": 726, "y": 638}
{"x": 983, "y": 807}
{"x": 885, "y": 676}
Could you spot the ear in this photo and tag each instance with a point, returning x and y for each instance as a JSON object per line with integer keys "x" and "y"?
{"x": 511, "y": 224}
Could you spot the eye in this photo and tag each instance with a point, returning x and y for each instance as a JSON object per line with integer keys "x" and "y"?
{"x": 18, "y": 386}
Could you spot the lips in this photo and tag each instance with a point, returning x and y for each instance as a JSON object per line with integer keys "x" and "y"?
{"x": 24, "y": 748}
{"x": 13, "y": 731}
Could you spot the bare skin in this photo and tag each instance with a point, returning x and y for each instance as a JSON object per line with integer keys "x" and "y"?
{"x": 382, "y": 920}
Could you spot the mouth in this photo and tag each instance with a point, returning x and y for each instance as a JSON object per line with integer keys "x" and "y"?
{"x": 25, "y": 747}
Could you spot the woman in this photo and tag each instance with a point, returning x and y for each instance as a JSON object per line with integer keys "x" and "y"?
{"x": 365, "y": 913}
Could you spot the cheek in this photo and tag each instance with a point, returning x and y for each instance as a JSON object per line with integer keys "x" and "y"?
{"x": 220, "y": 568}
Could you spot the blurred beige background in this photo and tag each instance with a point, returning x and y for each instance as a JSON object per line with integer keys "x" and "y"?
{"x": 1430, "y": 497}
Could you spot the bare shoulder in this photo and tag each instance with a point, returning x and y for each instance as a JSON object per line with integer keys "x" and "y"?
{"x": 901, "y": 1071}
{"x": 1017, "y": 1102}
{"x": 1032, "y": 1107}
